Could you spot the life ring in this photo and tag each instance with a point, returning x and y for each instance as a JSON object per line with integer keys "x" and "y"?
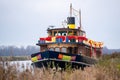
{"x": 91, "y": 42}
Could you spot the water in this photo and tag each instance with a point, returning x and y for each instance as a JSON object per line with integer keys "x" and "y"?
{"x": 22, "y": 64}
{"x": 19, "y": 65}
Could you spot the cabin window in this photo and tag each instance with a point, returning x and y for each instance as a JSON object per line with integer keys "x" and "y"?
{"x": 49, "y": 33}
{"x": 75, "y": 33}
{"x": 75, "y": 50}
{"x": 70, "y": 33}
{"x": 55, "y": 33}
{"x": 51, "y": 49}
{"x": 82, "y": 33}
{"x": 70, "y": 49}
{"x": 57, "y": 49}
{"x": 88, "y": 51}
{"x": 62, "y": 33}
{"x": 64, "y": 50}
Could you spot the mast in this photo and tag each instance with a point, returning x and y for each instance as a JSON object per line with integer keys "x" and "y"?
{"x": 80, "y": 19}
{"x": 71, "y": 10}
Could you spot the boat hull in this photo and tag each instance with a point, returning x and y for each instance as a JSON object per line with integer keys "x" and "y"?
{"x": 58, "y": 59}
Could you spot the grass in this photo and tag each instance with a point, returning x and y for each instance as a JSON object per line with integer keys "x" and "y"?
{"x": 108, "y": 68}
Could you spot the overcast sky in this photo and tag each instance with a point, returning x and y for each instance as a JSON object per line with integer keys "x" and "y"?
{"x": 22, "y": 22}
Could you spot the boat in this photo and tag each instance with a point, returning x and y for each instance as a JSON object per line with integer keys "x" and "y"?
{"x": 67, "y": 46}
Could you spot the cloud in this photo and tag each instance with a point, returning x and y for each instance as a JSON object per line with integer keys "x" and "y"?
{"x": 24, "y": 21}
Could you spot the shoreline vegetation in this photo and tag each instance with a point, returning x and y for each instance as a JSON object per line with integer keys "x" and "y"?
{"x": 14, "y": 58}
{"x": 107, "y": 68}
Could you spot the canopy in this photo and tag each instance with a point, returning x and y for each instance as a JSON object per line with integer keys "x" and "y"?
{"x": 82, "y": 38}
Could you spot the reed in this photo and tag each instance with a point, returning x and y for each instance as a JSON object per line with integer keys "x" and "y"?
{"x": 108, "y": 68}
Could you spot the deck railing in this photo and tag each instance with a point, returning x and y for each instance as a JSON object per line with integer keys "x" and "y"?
{"x": 70, "y": 39}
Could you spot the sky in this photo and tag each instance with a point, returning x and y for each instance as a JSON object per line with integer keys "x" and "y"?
{"x": 23, "y": 22}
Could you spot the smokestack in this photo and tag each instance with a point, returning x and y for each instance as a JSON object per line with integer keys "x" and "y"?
{"x": 71, "y": 22}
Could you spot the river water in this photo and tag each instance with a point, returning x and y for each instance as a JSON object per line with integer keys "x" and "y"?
{"x": 19, "y": 65}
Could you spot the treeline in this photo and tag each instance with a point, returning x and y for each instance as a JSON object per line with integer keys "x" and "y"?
{"x": 18, "y": 51}
{"x": 111, "y": 56}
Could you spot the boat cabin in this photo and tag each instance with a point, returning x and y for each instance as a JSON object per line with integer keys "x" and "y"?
{"x": 68, "y": 41}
